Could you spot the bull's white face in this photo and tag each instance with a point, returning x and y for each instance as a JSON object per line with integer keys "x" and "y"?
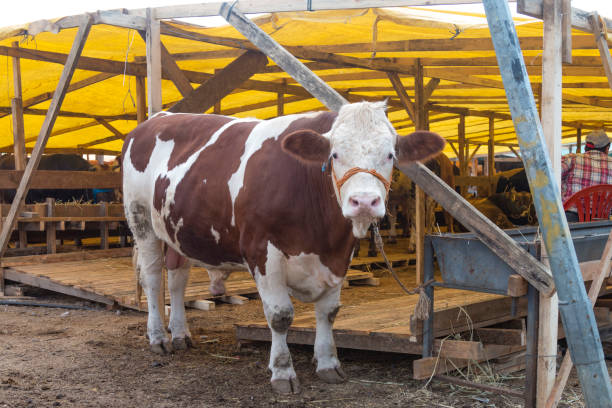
{"x": 362, "y": 137}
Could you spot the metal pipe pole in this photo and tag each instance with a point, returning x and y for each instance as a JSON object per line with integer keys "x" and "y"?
{"x": 576, "y": 311}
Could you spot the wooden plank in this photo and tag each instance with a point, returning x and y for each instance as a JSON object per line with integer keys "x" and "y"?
{"x": 498, "y": 241}
{"x": 45, "y": 131}
{"x": 200, "y": 304}
{"x": 55, "y": 179}
{"x": 65, "y": 257}
{"x": 233, "y": 299}
{"x": 225, "y": 81}
{"x": 45, "y": 283}
{"x": 154, "y": 74}
{"x": 283, "y": 58}
{"x": 426, "y": 367}
{"x": 508, "y": 337}
{"x": 566, "y": 29}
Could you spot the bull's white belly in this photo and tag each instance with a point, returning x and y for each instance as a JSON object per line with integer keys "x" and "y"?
{"x": 308, "y": 279}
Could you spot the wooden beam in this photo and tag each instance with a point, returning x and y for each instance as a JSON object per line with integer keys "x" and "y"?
{"x": 225, "y": 81}
{"x": 401, "y": 92}
{"x": 58, "y": 97}
{"x": 154, "y": 75}
{"x": 420, "y": 113}
{"x": 53, "y": 179}
{"x": 282, "y": 57}
{"x": 171, "y": 69}
{"x": 579, "y": 18}
{"x": 100, "y": 141}
{"x": 66, "y": 150}
{"x": 601, "y": 39}
{"x": 431, "y": 86}
{"x": 566, "y": 29}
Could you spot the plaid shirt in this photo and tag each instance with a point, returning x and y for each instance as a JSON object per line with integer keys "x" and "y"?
{"x": 579, "y": 171}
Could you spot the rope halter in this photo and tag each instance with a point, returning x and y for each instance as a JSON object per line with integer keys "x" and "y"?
{"x": 351, "y": 172}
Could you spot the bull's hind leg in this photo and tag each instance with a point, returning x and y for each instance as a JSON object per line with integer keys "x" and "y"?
{"x": 272, "y": 287}
{"x": 328, "y": 366}
{"x": 148, "y": 264}
{"x": 178, "y": 275}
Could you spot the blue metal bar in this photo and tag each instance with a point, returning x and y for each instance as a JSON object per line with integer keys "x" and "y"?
{"x": 576, "y": 310}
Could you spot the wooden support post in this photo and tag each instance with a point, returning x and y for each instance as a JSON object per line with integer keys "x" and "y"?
{"x": 17, "y": 112}
{"x": 141, "y": 99}
{"x": 52, "y": 112}
{"x": 550, "y": 114}
{"x": 50, "y": 227}
{"x": 104, "y": 226}
{"x": 153, "y": 64}
{"x": 280, "y": 99}
{"x": 419, "y": 113}
{"x": 491, "y": 154}
{"x": 566, "y": 29}
{"x": 1, "y": 281}
{"x": 578, "y": 318}
{"x": 579, "y": 140}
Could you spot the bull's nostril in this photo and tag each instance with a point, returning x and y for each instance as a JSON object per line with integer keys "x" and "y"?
{"x": 354, "y": 202}
{"x": 375, "y": 201}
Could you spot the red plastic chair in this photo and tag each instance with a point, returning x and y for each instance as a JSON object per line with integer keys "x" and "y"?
{"x": 591, "y": 203}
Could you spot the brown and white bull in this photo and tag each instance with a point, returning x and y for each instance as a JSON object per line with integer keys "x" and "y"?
{"x": 284, "y": 198}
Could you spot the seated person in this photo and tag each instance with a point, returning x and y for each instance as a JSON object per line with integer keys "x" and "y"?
{"x": 579, "y": 171}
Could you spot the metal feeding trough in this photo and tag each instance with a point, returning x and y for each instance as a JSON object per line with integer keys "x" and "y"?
{"x": 466, "y": 263}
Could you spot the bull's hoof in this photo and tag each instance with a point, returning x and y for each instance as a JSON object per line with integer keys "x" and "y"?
{"x": 164, "y": 347}
{"x": 290, "y": 386}
{"x": 332, "y": 375}
{"x": 182, "y": 343}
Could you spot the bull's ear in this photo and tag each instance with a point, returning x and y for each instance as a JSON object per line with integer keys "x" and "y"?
{"x": 307, "y": 145}
{"x": 419, "y": 146}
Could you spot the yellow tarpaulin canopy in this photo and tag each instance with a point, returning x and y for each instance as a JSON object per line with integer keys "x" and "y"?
{"x": 453, "y": 47}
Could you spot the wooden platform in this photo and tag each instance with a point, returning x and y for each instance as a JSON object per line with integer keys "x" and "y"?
{"x": 111, "y": 280}
{"x": 389, "y": 325}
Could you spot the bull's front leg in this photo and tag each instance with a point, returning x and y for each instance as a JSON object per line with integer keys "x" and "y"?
{"x": 272, "y": 288}
{"x": 328, "y": 365}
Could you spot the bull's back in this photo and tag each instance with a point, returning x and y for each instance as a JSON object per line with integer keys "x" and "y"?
{"x": 179, "y": 165}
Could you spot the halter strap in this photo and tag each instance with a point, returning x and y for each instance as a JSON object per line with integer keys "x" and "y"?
{"x": 351, "y": 172}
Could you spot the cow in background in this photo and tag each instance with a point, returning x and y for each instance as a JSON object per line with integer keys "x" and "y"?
{"x": 284, "y": 197}
{"x": 62, "y": 162}
{"x": 402, "y": 198}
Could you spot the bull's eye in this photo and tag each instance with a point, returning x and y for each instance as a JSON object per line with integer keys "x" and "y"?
{"x": 390, "y": 157}
{"x": 335, "y": 155}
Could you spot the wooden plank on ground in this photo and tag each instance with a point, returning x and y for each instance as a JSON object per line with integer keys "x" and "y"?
{"x": 46, "y": 283}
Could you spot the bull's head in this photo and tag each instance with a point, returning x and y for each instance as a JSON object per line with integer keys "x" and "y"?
{"x": 361, "y": 148}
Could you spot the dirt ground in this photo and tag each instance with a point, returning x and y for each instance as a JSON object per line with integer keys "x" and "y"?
{"x": 53, "y": 357}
